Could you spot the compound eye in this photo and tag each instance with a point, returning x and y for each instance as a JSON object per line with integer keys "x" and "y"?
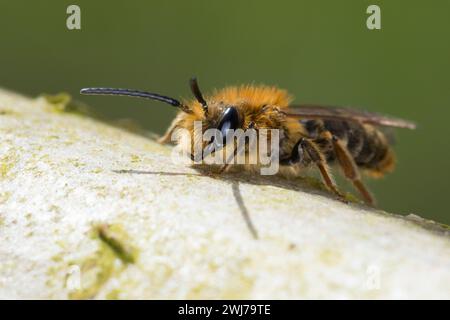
{"x": 229, "y": 121}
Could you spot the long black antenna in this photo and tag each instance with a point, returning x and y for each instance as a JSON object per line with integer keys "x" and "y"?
{"x": 198, "y": 94}
{"x": 135, "y": 93}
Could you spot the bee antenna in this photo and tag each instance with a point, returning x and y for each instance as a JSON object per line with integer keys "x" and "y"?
{"x": 198, "y": 94}
{"x": 135, "y": 93}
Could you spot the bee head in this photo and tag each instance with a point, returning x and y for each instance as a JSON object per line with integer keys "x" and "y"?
{"x": 228, "y": 122}
{"x": 228, "y": 119}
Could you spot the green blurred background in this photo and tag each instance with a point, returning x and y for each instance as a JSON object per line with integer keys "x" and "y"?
{"x": 321, "y": 51}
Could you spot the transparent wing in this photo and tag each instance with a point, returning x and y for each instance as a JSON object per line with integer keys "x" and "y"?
{"x": 348, "y": 114}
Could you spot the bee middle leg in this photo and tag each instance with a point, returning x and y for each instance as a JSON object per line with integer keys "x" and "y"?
{"x": 312, "y": 150}
{"x": 349, "y": 168}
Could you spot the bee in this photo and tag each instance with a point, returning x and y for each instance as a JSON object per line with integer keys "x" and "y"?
{"x": 310, "y": 135}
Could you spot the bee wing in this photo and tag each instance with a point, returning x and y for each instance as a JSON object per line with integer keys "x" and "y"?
{"x": 348, "y": 114}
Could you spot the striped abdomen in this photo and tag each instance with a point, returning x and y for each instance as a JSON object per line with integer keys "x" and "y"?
{"x": 368, "y": 146}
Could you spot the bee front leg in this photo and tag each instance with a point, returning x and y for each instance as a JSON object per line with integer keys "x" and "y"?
{"x": 226, "y": 166}
{"x": 167, "y": 137}
{"x": 176, "y": 123}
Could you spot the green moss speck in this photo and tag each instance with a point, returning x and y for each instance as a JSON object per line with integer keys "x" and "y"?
{"x": 4, "y": 196}
{"x": 96, "y": 270}
{"x": 113, "y": 294}
{"x": 63, "y": 102}
{"x": 330, "y": 257}
{"x": 5, "y": 112}
{"x": 135, "y": 158}
{"x": 7, "y": 162}
{"x": 118, "y": 241}
{"x": 97, "y": 170}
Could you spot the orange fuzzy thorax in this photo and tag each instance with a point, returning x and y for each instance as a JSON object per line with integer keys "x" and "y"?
{"x": 247, "y": 98}
{"x": 253, "y": 96}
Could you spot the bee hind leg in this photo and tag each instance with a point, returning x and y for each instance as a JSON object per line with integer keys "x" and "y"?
{"x": 349, "y": 168}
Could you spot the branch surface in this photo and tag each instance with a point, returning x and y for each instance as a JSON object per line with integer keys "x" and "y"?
{"x": 88, "y": 210}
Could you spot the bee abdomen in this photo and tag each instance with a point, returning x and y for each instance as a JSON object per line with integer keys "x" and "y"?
{"x": 374, "y": 148}
{"x": 367, "y": 145}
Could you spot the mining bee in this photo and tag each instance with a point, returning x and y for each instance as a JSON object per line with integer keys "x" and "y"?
{"x": 311, "y": 135}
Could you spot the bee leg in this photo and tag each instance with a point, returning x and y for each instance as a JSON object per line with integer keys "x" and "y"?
{"x": 229, "y": 160}
{"x": 166, "y": 138}
{"x": 310, "y": 148}
{"x": 350, "y": 169}
{"x": 295, "y": 157}
{"x": 224, "y": 168}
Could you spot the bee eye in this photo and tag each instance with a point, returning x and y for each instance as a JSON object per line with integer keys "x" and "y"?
{"x": 230, "y": 120}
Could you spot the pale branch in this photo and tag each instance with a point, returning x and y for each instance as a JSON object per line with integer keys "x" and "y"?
{"x": 88, "y": 210}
